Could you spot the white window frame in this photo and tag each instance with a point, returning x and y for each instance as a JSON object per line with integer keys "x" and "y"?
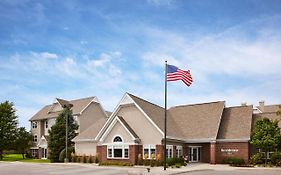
{"x": 179, "y": 151}
{"x": 118, "y": 145}
{"x": 170, "y": 150}
{"x": 34, "y": 125}
{"x": 149, "y": 147}
{"x": 35, "y": 138}
{"x": 34, "y": 152}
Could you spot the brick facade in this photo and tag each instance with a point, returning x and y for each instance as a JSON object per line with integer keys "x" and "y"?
{"x": 232, "y": 149}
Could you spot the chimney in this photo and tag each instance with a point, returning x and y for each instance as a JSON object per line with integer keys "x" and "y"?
{"x": 244, "y": 104}
{"x": 261, "y": 106}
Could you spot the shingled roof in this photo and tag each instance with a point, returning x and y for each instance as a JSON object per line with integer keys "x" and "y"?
{"x": 236, "y": 123}
{"x": 48, "y": 111}
{"x": 198, "y": 121}
{"x": 156, "y": 114}
{"x": 91, "y": 132}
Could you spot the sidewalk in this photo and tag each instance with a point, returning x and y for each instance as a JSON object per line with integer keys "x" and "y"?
{"x": 191, "y": 167}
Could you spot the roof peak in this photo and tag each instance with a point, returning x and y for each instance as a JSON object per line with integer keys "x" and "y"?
{"x": 144, "y": 100}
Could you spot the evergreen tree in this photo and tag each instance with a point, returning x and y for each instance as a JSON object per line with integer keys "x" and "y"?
{"x": 266, "y": 135}
{"x": 8, "y": 126}
{"x": 23, "y": 141}
{"x": 56, "y": 141}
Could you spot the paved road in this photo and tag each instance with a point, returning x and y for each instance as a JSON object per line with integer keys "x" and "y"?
{"x": 235, "y": 172}
{"x": 20, "y": 168}
{"x": 17, "y": 168}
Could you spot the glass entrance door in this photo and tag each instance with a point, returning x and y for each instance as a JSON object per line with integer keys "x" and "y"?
{"x": 194, "y": 154}
{"x": 44, "y": 153}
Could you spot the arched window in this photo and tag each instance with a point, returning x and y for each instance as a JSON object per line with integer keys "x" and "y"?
{"x": 117, "y": 139}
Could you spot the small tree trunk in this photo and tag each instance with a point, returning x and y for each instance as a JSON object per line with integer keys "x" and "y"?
{"x": 22, "y": 155}
{"x": 265, "y": 157}
{"x": 1, "y": 154}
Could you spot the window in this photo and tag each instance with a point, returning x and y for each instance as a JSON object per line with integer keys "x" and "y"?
{"x": 118, "y": 151}
{"x": 34, "y": 124}
{"x": 46, "y": 124}
{"x": 34, "y": 152}
{"x": 149, "y": 152}
{"x": 117, "y": 139}
{"x": 35, "y": 138}
{"x": 179, "y": 151}
{"x": 169, "y": 151}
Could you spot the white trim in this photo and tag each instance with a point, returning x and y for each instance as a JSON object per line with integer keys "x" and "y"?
{"x": 94, "y": 100}
{"x": 118, "y": 146}
{"x": 109, "y": 119}
{"x": 84, "y": 140}
{"x": 233, "y": 140}
{"x": 149, "y": 147}
{"x": 126, "y": 95}
{"x": 107, "y": 131}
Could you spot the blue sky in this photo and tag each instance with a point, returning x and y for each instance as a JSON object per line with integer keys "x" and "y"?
{"x": 74, "y": 49}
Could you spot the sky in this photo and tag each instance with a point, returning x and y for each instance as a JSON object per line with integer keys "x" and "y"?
{"x": 75, "y": 49}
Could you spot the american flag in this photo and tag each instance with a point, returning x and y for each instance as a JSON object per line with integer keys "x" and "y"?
{"x": 174, "y": 74}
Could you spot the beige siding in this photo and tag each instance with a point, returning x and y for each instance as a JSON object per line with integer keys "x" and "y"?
{"x": 140, "y": 124}
{"x": 87, "y": 148}
{"x": 90, "y": 115}
{"x": 51, "y": 122}
{"x": 118, "y": 130}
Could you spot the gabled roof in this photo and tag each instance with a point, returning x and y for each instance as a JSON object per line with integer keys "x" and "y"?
{"x": 78, "y": 106}
{"x": 269, "y": 115}
{"x": 90, "y": 133}
{"x": 157, "y": 115}
{"x": 236, "y": 123}
{"x": 198, "y": 121}
{"x": 269, "y": 108}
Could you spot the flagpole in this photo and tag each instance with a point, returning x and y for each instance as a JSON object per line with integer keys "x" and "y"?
{"x": 165, "y": 127}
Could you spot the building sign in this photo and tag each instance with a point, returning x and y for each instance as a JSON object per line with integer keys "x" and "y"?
{"x": 229, "y": 151}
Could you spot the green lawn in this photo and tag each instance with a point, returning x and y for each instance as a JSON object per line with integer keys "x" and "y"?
{"x": 18, "y": 157}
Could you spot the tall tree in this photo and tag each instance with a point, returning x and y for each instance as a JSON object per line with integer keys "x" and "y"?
{"x": 266, "y": 135}
{"x": 8, "y": 126}
{"x": 57, "y": 134}
{"x": 23, "y": 141}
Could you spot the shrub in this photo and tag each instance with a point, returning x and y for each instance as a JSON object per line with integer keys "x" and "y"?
{"x": 96, "y": 160}
{"x": 115, "y": 163}
{"x": 235, "y": 161}
{"x": 178, "y": 165}
{"x": 276, "y": 158}
{"x": 84, "y": 159}
{"x": 90, "y": 159}
{"x": 70, "y": 150}
{"x": 140, "y": 160}
{"x": 73, "y": 158}
{"x": 174, "y": 161}
{"x": 78, "y": 159}
{"x": 257, "y": 159}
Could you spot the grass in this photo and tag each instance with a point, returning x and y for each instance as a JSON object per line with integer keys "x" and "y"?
{"x": 18, "y": 157}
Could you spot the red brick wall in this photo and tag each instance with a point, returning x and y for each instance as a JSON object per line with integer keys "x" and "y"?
{"x": 159, "y": 150}
{"x": 242, "y": 147}
{"x": 102, "y": 152}
{"x": 213, "y": 153}
{"x": 134, "y": 150}
{"x": 39, "y": 153}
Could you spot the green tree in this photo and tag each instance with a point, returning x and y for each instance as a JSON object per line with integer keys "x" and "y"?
{"x": 57, "y": 134}
{"x": 23, "y": 141}
{"x": 8, "y": 126}
{"x": 266, "y": 135}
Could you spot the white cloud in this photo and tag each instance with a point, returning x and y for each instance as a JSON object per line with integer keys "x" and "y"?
{"x": 48, "y": 55}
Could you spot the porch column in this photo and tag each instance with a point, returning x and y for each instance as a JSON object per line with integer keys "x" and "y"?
{"x": 213, "y": 152}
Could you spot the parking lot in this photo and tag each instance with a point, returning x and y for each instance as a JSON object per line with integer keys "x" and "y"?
{"x": 20, "y": 168}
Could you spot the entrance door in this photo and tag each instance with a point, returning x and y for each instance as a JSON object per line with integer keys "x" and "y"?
{"x": 44, "y": 153}
{"x": 194, "y": 154}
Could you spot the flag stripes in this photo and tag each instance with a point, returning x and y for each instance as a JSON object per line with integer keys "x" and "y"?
{"x": 175, "y": 74}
